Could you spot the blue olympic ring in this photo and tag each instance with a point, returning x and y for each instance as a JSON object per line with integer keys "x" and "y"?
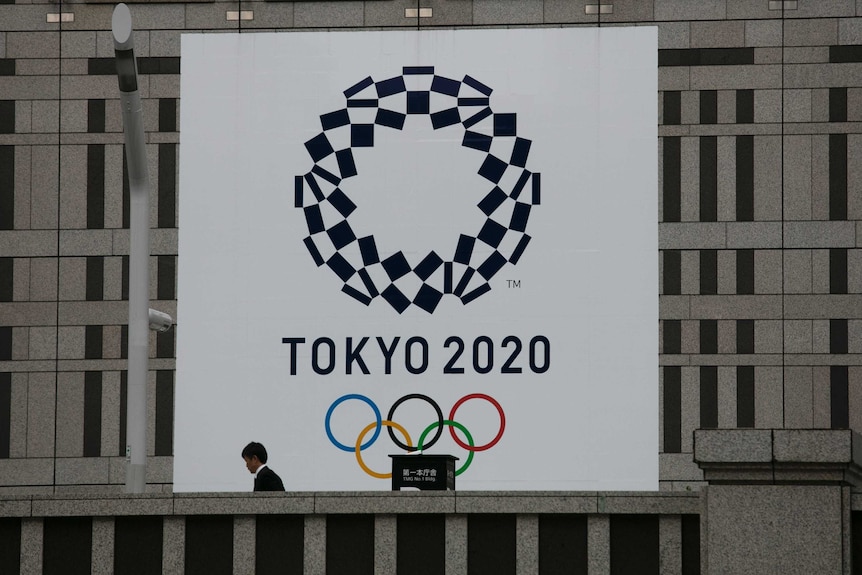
{"x": 339, "y": 401}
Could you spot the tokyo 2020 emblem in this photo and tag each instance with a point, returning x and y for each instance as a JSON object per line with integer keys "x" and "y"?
{"x": 501, "y": 156}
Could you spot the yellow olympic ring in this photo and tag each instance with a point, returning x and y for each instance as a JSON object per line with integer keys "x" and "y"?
{"x": 362, "y": 435}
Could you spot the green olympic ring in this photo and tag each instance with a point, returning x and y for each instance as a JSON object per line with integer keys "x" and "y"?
{"x": 450, "y": 423}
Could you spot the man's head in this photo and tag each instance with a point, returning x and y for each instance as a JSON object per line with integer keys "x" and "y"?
{"x": 254, "y": 455}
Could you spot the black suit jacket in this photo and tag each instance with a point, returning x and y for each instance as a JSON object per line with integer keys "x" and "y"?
{"x": 268, "y": 480}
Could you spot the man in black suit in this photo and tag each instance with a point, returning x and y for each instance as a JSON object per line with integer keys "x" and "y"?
{"x": 265, "y": 479}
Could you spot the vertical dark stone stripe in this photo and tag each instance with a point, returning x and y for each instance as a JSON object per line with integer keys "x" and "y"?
{"x": 491, "y": 544}
{"x": 164, "y": 412}
{"x": 95, "y": 278}
{"x": 708, "y": 107}
{"x": 708, "y": 272}
{"x": 165, "y": 343}
{"x": 5, "y": 343}
{"x": 126, "y": 195}
{"x": 671, "y": 272}
{"x": 93, "y": 342}
{"x": 167, "y": 185}
{"x": 167, "y": 114}
{"x": 7, "y": 269}
{"x": 837, "y": 176}
{"x": 124, "y": 404}
{"x": 95, "y": 186}
{"x": 745, "y": 178}
{"x": 837, "y": 104}
{"x": 124, "y": 278}
{"x": 10, "y": 550}
{"x": 92, "y": 413}
{"x": 708, "y": 336}
{"x": 353, "y": 532}
{"x": 421, "y": 544}
{"x": 279, "y": 545}
{"x": 634, "y": 545}
{"x": 672, "y": 409}
{"x": 67, "y": 545}
{"x": 562, "y": 544}
{"x": 7, "y": 187}
{"x": 839, "y": 397}
{"x": 167, "y": 271}
{"x": 124, "y": 342}
{"x": 671, "y": 179}
{"x": 209, "y": 545}
{"x": 671, "y": 108}
{"x": 708, "y": 396}
{"x": 691, "y": 545}
{"x": 745, "y": 336}
{"x": 672, "y": 336}
{"x": 745, "y": 271}
{"x": 5, "y": 416}
{"x": 138, "y": 544}
{"x": 7, "y": 116}
{"x": 708, "y": 179}
{"x": 745, "y": 396}
{"x": 838, "y": 270}
{"x": 95, "y": 116}
{"x": 745, "y": 106}
{"x": 838, "y": 338}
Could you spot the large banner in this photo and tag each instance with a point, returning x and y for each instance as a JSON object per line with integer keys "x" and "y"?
{"x": 441, "y": 240}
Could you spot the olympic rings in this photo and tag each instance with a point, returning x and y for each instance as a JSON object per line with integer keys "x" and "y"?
{"x": 335, "y": 404}
{"x": 358, "y": 447}
{"x": 379, "y": 423}
{"x": 433, "y": 404}
{"x": 494, "y": 441}
{"x": 451, "y": 424}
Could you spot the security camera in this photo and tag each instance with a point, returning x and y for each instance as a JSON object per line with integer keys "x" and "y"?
{"x": 160, "y": 321}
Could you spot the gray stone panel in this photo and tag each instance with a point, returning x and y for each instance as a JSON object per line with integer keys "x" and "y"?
{"x": 73, "y": 193}
{"x": 30, "y": 471}
{"x": 32, "y": 531}
{"x": 45, "y": 119}
{"x": 521, "y": 502}
{"x": 797, "y": 177}
{"x": 26, "y": 313}
{"x": 42, "y": 343}
{"x": 753, "y": 235}
{"x": 21, "y": 279}
{"x": 162, "y": 43}
{"x": 810, "y": 32}
{"x": 73, "y": 278}
{"x": 768, "y": 272}
{"x": 624, "y": 11}
{"x": 328, "y": 14}
{"x": 81, "y": 45}
{"x": 768, "y": 397}
{"x": 385, "y": 542}
{"x": 717, "y": 34}
{"x": 211, "y": 16}
{"x": 244, "y": 547}
{"x": 797, "y": 336}
{"x": 835, "y": 234}
{"x": 29, "y": 87}
{"x": 271, "y": 15}
{"x": 93, "y": 313}
{"x": 733, "y": 445}
{"x": 686, "y": 10}
{"x": 44, "y": 192}
{"x": 727, "y": 396}
{"x": 849, "y": 31}
{"x": 760, "y": 33}
{"x": 110, "y": 438}
{"x": 806, "y": 55}
{"x": 798, "y": 397}
{"x": 820, "y": 76}
{"x": 786, "y": 529}
{"x": 32, "y": 44}
{"x": 679, "y": 467}
{"x": 797, "y": 105}
{"x": 736, "y": 77}
{"x": 798, "y": 271}
{"x": 314, "y": 558}
{"x": 812, "y": 446}
{"x": 854, "y": 176}
{"x": 745, "y": 9}
{"x": 43, "y": 278}
{"x": 823, "y": 8}
{"x": 820, "y": 272}
{"x": 84, "y": 243}
{"x": 690, "y": 403}
{"x": 726, "y": 272}
{"x": 690, "y": 270}
{"x": 674, "y": 35}
{"x": 18, "y": 416}
{"x": 507, "y": 12}
{"x": 103, "y": 546}
{"x": 598, "y": 545}
{"x": 820, "y": 336}
{"x": 726, "y": 159}
{"x": 82, "y": 470}
{"x": 690, "y": 109}
{"x": 173, "y": 545}
{"x": 70, "y": 420}
{"x": 747, "y": 306}
{"x": 257, "y": 503}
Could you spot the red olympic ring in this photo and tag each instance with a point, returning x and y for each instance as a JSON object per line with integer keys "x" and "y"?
{"x": 493, "y": 402}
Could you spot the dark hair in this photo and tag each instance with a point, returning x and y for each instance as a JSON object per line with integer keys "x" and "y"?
{"x": 255, "y": 449}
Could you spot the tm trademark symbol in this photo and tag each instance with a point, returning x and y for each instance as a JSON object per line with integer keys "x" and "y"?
{"x": 513, "y": 283}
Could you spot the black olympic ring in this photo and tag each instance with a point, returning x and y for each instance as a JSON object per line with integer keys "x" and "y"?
{"x": 439, "y": 420}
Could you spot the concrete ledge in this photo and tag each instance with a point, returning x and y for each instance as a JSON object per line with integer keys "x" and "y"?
{"x": 242, "y": 504}
{"x": 820, "y": 456}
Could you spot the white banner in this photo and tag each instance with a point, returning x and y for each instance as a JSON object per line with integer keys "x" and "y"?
{"x": 390, "y": 233}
